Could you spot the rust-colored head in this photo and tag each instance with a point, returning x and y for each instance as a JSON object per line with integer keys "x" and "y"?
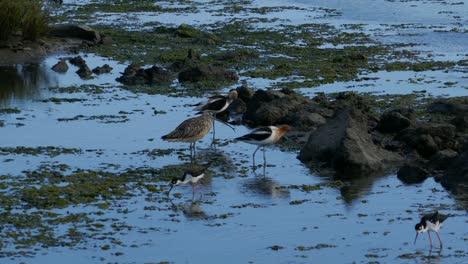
{"x": 284, "y": 128}
{"x": 233, "y": 94}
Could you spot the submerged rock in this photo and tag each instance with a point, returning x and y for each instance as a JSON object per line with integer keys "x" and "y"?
{"x": 456, "y": 177}
{"x": 61, "y": 66}
{"x": 104, "y": 69}
{"x": 412, "y": 174}
{"x": 134, "y": 75}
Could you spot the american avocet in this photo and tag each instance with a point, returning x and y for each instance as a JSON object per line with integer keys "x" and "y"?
{"x": 430, "y": 222}
{"x": 192, "y": 175}
{"x": 263, "y": 136}
{"x": 191, "y": 130}
{"x": 217, "y": 104}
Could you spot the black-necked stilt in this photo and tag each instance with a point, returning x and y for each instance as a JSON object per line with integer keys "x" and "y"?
{"x": 191, "y": 130}
{"x": 263, "y": 136}
{"x": 430, "y": 222}
{"x": 217, "y": 104}
{"x": 192, "y": 176}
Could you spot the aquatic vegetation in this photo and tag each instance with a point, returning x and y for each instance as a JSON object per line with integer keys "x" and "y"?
{"x": 27, "y": 16}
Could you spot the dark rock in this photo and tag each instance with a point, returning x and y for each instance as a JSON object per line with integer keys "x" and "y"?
{"x": 204, "y": 72}
{"x": 192, "y": 59}
{"x": 443, "y": 131}
{"x": 412, "y": 174}
{"x": 61, "y": 66}
{"x": 461, "y": 122}
{"x": 84, "y": 71}
{"x": 238, "y": 55}
{"x": 345, "y": 143}
{"x": 442, "y": 159}
{"x": 245, "y": 93}
{"x": 426, "y": 146}
{"x": 157, "y": 75}
{"x": 237, "y": 106}
{"x": 456, "y": 177}
{"x": 106, "y": 40}
{"x": 78, "y": 61}
{"x": 273, "y": 107}
{"x": 75, "y": 31}
{"x": 428, "y": 138}
{"x": 395, "y": 120}
{"x": 134, "y": 75}
{"x": 447, "y": 108}
{"x": 104, "y": 69}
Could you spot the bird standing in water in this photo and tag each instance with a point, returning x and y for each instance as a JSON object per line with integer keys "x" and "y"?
{"x": 192, "y": 176}
{"x": 191, "y": 130}
{"x": 263, "y": 136}
{"x": 217, "y": 104}
{"x": 430, "y": 222}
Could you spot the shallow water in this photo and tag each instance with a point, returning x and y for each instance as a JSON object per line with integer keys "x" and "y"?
{"x": 242, "y": 213}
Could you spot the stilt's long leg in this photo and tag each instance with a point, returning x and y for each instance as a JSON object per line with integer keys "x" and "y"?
{"x": 193, "y": 191}
{"x": 201, "y": 190}
{"x": 264, "y": 157}
{"x": 440, "y": 240}
{"x": 430, "y": 239}
{"x": 253, "y": 156}
{"x": 214, "y": 130}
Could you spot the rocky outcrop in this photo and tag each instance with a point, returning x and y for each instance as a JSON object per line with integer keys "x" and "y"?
{"x": 411, "y": 173}
{"x": 203, "y": 72}
{"x": 345, "y": 143}
{"x": 75, "y": 31}
{"x": 135, "y": 74}
{"x": 101, "y": 70}
{"x": 396, "y": 120}
{"x": 455, "y": 177}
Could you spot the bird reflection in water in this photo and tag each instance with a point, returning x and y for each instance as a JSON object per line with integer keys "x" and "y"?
{"x": 191, "y": 210}
{"x": 264, "y": 186}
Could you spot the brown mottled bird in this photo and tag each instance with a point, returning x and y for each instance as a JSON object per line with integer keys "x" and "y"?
{"x": 191, "y": 130}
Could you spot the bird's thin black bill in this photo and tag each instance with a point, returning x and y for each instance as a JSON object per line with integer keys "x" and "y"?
{"x": 415, "y": 238}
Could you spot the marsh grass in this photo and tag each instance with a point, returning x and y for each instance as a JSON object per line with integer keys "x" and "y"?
{"x": 27, "y": 17}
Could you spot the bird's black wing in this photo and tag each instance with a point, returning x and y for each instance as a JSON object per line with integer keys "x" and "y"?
{"x": 434, "y": 217}
{"x": 258, "y": 134}
{"x": 215, "y": 104}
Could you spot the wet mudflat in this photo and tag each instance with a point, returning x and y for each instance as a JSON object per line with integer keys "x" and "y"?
{"x": 84, "y": 172}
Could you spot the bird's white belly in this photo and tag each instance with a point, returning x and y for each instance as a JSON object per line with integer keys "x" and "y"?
{"x": 195, "y": 179}
{"x": 433, "y": 226}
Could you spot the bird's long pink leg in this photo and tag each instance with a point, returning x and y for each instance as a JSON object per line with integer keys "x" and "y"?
{"x": 201, "y": 190}
{"x": 440, "y": 240}
{"x": 193, "y": 191}
{"x": 430, "y": 239}
{"x": 253, "y": 156}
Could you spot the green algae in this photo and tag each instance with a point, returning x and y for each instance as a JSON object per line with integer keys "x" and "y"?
{"x": 50, "y": 151}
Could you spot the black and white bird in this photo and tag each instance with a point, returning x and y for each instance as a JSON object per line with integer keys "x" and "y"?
{"x": 192, "y": 176}
{"x": 430, "y": 222}
{"x": 264, "y": 136}
{"x": 216, "y": 104}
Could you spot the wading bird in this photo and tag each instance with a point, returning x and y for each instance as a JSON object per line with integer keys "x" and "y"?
{"x": 191, "y": 176}
{"x": 217, "y": 104}
{"x": 430, "y": 222}
{"x": 191, "y": 130}
{"x": 263, "y": 136}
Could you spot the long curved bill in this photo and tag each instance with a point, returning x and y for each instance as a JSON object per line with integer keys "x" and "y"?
{"x": 415, "y": 238}
{"x": 226, "y": 123}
